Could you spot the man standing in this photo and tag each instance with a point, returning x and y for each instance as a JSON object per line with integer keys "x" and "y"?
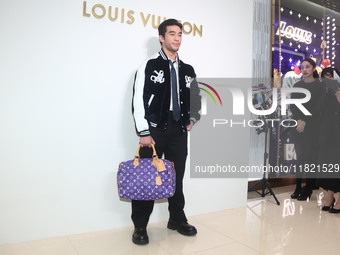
{"x": 165, "y": 105}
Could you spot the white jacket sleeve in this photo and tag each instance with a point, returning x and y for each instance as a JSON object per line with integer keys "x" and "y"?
{"x": 138, "y": 110}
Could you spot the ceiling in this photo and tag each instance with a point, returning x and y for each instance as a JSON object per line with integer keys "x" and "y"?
{"x": 315, "y": 8}
{"x": 330, "y": 4}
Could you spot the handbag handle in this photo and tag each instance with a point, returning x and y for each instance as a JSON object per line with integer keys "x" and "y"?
{"x": 154, "y": 154}
{"x": 158, "y": 163}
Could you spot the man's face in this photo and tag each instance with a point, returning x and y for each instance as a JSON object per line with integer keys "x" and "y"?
{"x": 172, "y": 39}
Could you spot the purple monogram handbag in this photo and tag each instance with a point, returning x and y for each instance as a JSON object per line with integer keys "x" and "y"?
{"x": 146, "y": 178}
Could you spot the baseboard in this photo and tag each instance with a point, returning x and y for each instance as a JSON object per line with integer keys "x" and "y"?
{"x": 274, "y": 182}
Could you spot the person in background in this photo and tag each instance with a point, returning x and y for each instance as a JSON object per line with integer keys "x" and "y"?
{"x": 329, "y": 153}
{"x": 306, "y": 132}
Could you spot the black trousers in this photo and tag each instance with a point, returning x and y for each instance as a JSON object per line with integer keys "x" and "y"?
{"x": 171, "y": 143}
{"x": 307, "y": 153}
{"x": 330, "y": 156}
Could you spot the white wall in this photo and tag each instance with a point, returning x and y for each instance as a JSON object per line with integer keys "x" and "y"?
{"x": 65, "y": 108}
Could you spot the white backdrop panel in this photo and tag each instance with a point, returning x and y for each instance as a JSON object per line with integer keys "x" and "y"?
{"x": 65, "y": 108}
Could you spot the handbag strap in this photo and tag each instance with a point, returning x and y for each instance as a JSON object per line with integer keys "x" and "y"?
{"x": 158, "y": 163}
{"x": 154, "y": 154}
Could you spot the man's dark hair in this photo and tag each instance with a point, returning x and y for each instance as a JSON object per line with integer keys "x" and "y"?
{"x": 329, "y": 70}
{"x": 168, "y": 22}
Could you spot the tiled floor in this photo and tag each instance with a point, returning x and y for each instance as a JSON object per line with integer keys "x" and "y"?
{"x": 262, "y": 227}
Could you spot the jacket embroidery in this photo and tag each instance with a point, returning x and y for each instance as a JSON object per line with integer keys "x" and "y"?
{"x": 159, "y": 78}
{"x": 188, "y": 81}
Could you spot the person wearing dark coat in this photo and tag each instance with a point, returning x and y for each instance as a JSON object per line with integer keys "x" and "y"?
{"x": 305, "y": 134}
{"x": 329, "y": 152}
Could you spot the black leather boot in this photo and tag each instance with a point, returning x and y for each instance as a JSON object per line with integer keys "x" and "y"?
{"x": 183, "y": 228}
{"x": 140, "y": 236}
{"x": 296, "y": 193}
{"x": 305, "y": 193}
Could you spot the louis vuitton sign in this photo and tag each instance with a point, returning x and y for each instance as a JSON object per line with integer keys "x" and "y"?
{"x": 121, "y": 15}
{"x": 295, "y": 33}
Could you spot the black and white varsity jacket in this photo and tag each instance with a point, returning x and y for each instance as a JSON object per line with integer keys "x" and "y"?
{"x": 152, "y": 90}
